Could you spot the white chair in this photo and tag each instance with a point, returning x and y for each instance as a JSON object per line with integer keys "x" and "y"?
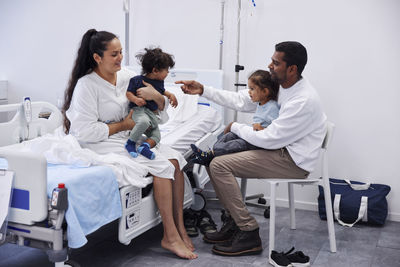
{"x": 323, "y": 181}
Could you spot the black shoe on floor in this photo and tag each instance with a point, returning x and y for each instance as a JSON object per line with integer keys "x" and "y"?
{"x": 205, "y": 223}
{"x": 279, "y": 259}
{"x": 298, "y": 259}
{"x": 190, "y": 221}
{"x": 243, "y": 243}
{"x": 225, "y": 234}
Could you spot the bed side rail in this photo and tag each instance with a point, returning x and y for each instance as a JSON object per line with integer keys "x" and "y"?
{"x": 45, "y": 118}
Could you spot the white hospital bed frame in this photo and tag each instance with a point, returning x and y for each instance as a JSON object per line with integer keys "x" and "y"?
{"x": 41, "y": 226}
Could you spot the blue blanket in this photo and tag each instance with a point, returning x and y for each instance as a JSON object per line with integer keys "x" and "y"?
{"x": 93, "y": 198}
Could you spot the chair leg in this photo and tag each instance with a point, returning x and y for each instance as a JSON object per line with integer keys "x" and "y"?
{"x": 291, "y": 207}
{"x": 243, "y": 188}
{"x": 272, "y": 218}
{"x": 329, "y": 216}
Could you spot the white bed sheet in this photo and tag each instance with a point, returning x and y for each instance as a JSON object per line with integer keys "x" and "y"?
{"x": 179, "y": 135}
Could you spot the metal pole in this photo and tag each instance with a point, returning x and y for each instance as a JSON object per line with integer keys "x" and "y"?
{"x": 238, "y": 39}
{"x": 126, "y": 7}
{"x": 237, "y": 66}
{"x": 221, "y": 40}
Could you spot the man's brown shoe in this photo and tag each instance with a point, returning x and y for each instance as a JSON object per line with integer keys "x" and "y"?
{"x": 243, "y": 243}
{"x": 226, "y": 233}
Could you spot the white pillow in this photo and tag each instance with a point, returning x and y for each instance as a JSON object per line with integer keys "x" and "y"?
{"x": 187, "y": 104}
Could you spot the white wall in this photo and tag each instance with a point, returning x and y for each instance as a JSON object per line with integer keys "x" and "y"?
{"x": 188, "y": 29}
{"x": 353, "y": 61}
{"x": 39, "y": 42}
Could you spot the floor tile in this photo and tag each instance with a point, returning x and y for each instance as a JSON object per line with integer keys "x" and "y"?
{"x": 386, "y": 257}
{"x": 359, "y": 246}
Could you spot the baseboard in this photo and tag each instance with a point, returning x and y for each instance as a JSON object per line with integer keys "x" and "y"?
{"x": 304, "y": 205}
{"x": 394, "y": 217}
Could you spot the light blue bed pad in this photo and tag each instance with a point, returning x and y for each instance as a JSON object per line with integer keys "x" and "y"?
{"x": 93, "y": 198}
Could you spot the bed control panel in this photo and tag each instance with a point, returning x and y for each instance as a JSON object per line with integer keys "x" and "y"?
{"x": 133, "y": 219}
{"x": 133, "y": 197}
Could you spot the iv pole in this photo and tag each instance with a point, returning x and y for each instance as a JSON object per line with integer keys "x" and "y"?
{"x": 243, "y": 184}
{"x": 221, "y": 28}
{"x": 237, "y": 66}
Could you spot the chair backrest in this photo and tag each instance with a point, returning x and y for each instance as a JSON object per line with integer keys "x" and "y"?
{"x": 330, "y": 127}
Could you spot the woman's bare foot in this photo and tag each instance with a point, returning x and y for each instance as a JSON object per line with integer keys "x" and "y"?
{"x": 186, "y": 239}
{"x": 178, "y": 248}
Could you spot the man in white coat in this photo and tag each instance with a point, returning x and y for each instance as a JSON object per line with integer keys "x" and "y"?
{"x": 289, "y": 146}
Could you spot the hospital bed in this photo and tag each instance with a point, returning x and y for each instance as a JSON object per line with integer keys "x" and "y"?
{"x": 94, "y": 196}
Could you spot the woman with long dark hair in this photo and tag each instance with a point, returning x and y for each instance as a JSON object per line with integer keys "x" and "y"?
{"x": 96, "y": 112}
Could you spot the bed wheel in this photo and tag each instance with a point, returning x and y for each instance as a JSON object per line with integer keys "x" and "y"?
{"x": 71, "y": 263}
{"x": 266, "y": 213}
{"x": 262, "y": 201}
{"x": 199, "y": 201}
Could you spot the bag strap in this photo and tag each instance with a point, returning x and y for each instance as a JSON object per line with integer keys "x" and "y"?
{"x": 361, "y": 213}
{"x": 357, "y": 186}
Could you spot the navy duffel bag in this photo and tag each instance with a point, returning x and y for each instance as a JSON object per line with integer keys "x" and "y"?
{"x": 354, "y": 201}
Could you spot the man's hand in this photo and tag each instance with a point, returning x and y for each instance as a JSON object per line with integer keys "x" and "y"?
{"x": 228, "y": 128}
{"x": 191, "y": 87}
{"x": 172, "y": 100}
{"x": 140, "y": 102}
{"x": 148, "y": 92}
{"x": 257, "y": 127}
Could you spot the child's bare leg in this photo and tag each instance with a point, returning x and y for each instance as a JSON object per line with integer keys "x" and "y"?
{"x": 151, "y": 142}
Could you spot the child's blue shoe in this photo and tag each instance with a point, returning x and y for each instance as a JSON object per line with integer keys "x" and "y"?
{"x": 144, "y": 149}
{"x": 131, "y": 148}
{"x": 201, "y": 157}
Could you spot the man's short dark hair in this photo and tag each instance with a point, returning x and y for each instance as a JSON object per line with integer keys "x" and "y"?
{"x": 295, "y": 54}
